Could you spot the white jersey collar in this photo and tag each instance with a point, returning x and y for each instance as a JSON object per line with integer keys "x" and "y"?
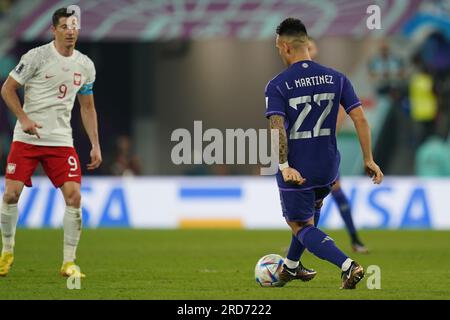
{"x": 52, "y": 44}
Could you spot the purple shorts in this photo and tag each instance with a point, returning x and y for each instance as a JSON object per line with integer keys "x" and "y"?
{"x": 300, "y": 205}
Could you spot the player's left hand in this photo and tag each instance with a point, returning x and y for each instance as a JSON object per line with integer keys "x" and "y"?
{"x": 374, "y": 171}
{"x": 96, "y": 158}
{"x": 290, "y": 175}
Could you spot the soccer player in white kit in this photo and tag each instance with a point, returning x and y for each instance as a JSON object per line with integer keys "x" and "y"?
{"x": 53, "y": 75}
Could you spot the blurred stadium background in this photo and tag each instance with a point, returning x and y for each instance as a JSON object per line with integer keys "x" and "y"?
{"x": 161, "y": 65}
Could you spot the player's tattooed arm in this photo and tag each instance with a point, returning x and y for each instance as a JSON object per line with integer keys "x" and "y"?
{"x": 290, "y": 175}
{"x": 277, "y": 123}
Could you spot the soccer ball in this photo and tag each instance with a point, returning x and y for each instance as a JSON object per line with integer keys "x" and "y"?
{"x": 267, "y": 270}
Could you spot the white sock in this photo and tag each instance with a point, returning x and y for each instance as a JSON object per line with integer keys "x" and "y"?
{"x": 347, "y": 263}
{"x": 291, "y": 264}
{"x": 8, "y": 219}
{"x": 72, "y": 231}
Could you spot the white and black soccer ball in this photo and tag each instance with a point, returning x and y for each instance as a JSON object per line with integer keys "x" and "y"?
{"x": 268, "y": 269}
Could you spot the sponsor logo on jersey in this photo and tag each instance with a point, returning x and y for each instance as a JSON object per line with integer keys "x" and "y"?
{"x": 48, "y": 77}
{"x": 77, "y": 79}
{"x": 19, "y": 68}
{"x": 11, "y": 168}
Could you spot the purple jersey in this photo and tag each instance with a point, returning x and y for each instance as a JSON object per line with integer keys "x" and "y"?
{"x": 308, "y": 95}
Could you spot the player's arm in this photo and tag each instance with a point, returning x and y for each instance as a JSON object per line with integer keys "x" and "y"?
{"x": 363, "y": 130}
{"x": 89, "y": 118}
{"x": 277, "y": 123}
{"x": 9, "y": 95}
{"x": 290, "y": 175}
{"x": 352, "y": 105}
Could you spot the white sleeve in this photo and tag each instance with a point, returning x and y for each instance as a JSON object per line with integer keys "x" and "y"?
{"x": 90, "y": 78}
{"x": 88, "y": 85}
{"x": 26, "y": 68}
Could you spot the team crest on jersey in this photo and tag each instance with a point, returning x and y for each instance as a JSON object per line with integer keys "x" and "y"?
{"x": 77, "y": 79}
{"x": 11, "y": 168}
{"x": 19, "y": 68}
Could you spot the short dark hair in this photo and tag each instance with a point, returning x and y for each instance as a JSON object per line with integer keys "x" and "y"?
{"x": 292, "y": 27}
{"x": 60, "y": 13}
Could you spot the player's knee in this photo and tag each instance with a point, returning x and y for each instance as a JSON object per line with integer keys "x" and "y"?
{"x": 73, "y": 199}
{"x": 11, "y": 196}
{"x": 296, "y": 227}
{"x": 305, "y": 225}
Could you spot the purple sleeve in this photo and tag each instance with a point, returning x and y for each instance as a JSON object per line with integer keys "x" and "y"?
{"x": 349, "y": 99}
{"x": 275, "y": 103}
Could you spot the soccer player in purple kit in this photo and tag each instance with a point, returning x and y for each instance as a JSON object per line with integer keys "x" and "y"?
{"x": 302, "y": 103}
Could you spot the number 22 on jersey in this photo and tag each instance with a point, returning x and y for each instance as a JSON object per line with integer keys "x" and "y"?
{"x": 317, "y": 130}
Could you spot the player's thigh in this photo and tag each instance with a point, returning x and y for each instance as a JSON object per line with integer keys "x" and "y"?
{"x": 13, "y": 190}
{"x": 21, "y": 163}
{"x": 297, "y": 206}
{"x": 61, "y": 164}
{"x": 72, "y": 194}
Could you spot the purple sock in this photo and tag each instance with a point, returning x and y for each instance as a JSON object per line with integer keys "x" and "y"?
{"x": 321, "y": 245}
{"x": 345, "y": 211}
{"x": 296, "y": 248}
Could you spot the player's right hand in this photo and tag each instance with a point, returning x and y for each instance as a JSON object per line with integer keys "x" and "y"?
{"x": 290, "y": 175}
{"x": 30, "y": 127}
{"x": 374, "y": 171}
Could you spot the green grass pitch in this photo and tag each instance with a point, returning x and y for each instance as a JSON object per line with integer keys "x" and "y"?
{"x": 219, "y": 264}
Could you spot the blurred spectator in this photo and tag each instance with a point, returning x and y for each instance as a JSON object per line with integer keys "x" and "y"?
{"x": 387, "y": 72}
{"x": 126, "y": 163}
{"x": 423, "y": 101}
{"x": 433, "y": 157}
{"x": 436, "y": 52}
{"x": 312, "y": 48}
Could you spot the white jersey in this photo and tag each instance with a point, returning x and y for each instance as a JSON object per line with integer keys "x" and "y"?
{"x": 51, "y": 82}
